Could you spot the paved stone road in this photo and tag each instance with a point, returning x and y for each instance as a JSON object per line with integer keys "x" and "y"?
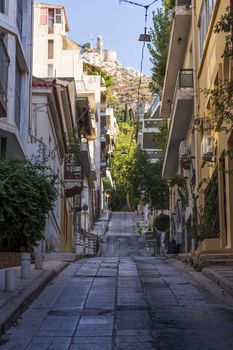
{"x": 123, "y": 300}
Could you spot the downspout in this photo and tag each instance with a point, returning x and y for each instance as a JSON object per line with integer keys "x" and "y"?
{"x": 196, "y": 97}
{"x": 31, "y": 67}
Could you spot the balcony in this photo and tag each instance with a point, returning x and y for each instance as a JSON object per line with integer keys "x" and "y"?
{"x": 154, "y": 155}
{"x": 151, "y": 125}
{"x": 85, "y": 157}
{"x": 4, "y": 65}
{"x": 180, "y": 118}
{"x": 177, "y": 48}
{"x": 154, "y": 109}
{"x": 72, "y": 178}
{"x": 93, "y": 171}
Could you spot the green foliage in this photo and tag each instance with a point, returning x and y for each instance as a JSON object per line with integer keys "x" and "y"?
{"x": 182, "y": 190}
{"x": 160, "y": 35}
{"x": 122, "y": 159}
{"x": 225, "y": 24}
{"x": 168, "y": 4}
{"x": 133, "y": 173}
{"x": 161, "y": 137}
{"x": 74, "y": 144}
{"x": 106, "y": 184}
{"x": 126, "y": 113}
{"x": 156, "y": 188}
{"x": 111, "y": 99}
{"x": 178, "y": 180}
{"x": 27, "y": 194}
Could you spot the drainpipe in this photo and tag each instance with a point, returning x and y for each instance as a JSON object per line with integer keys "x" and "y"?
{"x": 196, "y": 97}
{"x": 31, "y": 66}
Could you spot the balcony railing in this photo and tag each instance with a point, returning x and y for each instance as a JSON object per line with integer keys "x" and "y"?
{"x": 185, "y": 78}
{"x": 184, "y": 81}
{"x": 4, "y": 64}
{"x": 19, "y": 17}
{"x": 183, "y": 2}
{"x": 155, "y": 154}
{"x": 72, "y": 171}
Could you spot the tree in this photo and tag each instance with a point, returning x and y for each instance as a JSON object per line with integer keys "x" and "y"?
{"x": 121, "y": 161}
{"x": 27, "y": 194}
{"x": 160, "y": 35}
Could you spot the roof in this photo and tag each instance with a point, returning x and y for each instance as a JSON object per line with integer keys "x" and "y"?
{"x": 41, "y": 4}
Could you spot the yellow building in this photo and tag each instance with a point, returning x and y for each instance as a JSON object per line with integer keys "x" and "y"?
{"x": 196, "y": 160}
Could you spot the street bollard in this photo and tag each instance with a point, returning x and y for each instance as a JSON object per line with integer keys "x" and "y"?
{"x": 78, "y": 246}
{"x": 89, "y": 247}
{"x": 26, "y": 265}
{"x": 92, "y": 247}
{"x": 39, "y": 261}
{"x": 81, "y": 246}
{"x": 10, "y": 280}
{"x": 86, "y": 246}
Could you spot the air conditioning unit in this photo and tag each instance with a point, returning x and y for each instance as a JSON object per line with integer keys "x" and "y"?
{"x": 183, "y": 150}
{"x": 207, "y": 148}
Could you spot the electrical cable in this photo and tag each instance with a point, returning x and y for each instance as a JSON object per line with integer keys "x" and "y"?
{"x": 146, "y": 7}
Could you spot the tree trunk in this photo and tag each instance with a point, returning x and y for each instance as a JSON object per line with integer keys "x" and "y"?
{"x": 128, "y": 201}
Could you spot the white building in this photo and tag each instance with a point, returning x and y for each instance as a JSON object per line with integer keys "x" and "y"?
{"x": 55, "y": 55}
{"x": 53, "y": 117}
{"x": 150, "y": 127}
{"x": 15, "y": 75}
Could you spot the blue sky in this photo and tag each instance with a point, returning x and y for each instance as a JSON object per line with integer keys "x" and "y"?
{"x": 119, "y": 25}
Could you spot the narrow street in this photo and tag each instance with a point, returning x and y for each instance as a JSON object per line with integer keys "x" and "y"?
{"x": 124, "y": 300}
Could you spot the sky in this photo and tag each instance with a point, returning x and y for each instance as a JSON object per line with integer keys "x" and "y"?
{"x": 119, "y": 24}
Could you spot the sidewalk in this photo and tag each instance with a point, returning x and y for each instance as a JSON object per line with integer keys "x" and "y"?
{"x": 222, "y": 275}
{"x": 12, "y": 304}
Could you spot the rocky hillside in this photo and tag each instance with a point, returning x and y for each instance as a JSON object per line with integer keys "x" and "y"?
{"x": 125, "y": 80}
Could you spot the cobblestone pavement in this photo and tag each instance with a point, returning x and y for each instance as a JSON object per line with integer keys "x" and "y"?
{"x": 123, "y": 300}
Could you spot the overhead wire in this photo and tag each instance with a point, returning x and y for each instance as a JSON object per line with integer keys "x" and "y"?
{"x": 141, "y": 69}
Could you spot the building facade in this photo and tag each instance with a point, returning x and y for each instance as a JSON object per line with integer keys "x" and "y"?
{"x": 15, "y": 76}
{"x": 197, "y": 158}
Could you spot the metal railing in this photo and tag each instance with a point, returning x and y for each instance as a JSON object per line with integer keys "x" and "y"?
{"x": 19, "y": 16}
{"x": 4, "y": 64}
{"x": 185, "y": 78}
{"x": 184, "y": 81}
{"x": 183, "y": 2}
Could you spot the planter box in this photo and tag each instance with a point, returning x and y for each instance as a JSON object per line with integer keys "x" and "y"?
{"x": 9, "y": 259}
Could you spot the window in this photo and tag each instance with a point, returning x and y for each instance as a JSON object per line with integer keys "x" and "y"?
{"x": 4, "y": 65}
{"x": 50, "y": 70}
{"x": 58, "y": 16}
{"x": 2, "y": 6}
{"x": 51, "y": 21}
{"x": 43, "y": 16}
{"x": 204, "y": 21}
{"x": 19, "y": 16}
{"x": 18, "y": 76}
{"x": 50, "y": 49}
{"x": 202, "y": 27}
